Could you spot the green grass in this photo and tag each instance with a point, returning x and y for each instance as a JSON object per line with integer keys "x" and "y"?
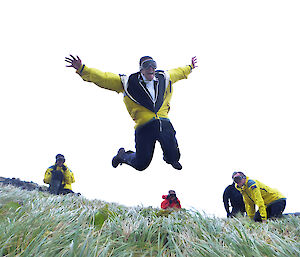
{"x": 33, "y": 223}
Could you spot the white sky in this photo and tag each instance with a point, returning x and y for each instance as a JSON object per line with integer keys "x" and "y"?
{"x": 238, "y": 111}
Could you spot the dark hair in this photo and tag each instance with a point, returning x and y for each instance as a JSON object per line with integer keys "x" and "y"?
{"x": 238, "y": 172}
{"x": 59, "y": 156}
{"x": 145, "y": 58}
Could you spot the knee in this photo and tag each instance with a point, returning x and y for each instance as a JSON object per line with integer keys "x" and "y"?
{"x": 141, "y": 167}
{"x": 141, "y": 164}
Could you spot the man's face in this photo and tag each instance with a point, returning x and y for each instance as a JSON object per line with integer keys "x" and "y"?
{"x": 239, "y": 180}
{"x": 148, "y": 73}
{"x": 172, "y": 195}
{"x": 148, "y": 69}
{"x": 60, "y": 162}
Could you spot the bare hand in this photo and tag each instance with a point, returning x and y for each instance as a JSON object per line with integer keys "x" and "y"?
{"x": 194, "y": 62}
{"x": 75, "y": 63}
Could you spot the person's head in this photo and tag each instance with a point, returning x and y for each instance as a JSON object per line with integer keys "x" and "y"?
{"x": 172, "y": 194}
{"x": 60, "y": 159}
{"x": 239, "y": 178}
{"x": 147, "y": 67}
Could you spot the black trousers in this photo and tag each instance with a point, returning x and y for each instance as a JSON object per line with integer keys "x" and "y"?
{"x": 274, "y": 210}
{"x": 145, "y": 138}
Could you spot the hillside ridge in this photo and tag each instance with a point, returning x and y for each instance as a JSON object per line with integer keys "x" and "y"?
{"x": 26, "y": 185}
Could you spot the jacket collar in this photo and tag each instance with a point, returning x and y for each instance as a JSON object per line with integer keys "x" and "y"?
{"x": 137, "y": 91}
{"x": 142, "y": 78}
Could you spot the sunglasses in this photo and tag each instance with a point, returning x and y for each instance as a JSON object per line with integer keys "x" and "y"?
{"x": 147, "y": 64}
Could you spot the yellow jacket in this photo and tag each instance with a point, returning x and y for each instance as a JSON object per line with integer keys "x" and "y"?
{"x": 257, "y": 193}
{"x": 138, "y": 113}
{"x": 68, "y": 176}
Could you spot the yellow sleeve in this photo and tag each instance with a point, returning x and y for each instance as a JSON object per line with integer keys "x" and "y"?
{"x": 250, "y": 208}
{"x": 48, "y": 176}
{"x": 68, "y": 177}
{"x": 180, "y": 73}
{"x": 105, "y": 80}
{"x": 259, "y": 201}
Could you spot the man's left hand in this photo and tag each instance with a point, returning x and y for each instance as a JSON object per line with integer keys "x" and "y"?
{"x": 74, "y": 63}
{"x": 194, "y": 62}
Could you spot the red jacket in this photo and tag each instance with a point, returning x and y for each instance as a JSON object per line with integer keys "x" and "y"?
{"x": 170, "y": 204}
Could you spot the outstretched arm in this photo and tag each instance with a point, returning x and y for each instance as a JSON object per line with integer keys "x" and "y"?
{"x": 182, "y": 72}
{"x": 105, "y": 80}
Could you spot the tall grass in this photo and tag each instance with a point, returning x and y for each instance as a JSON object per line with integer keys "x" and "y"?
{"x": 38, "y": 224}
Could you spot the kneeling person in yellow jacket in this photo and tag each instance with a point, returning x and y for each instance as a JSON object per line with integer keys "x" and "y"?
{"x": 59, "y": 177}
{"x": 147, "y": 96}
{"x": 271, "y": 203}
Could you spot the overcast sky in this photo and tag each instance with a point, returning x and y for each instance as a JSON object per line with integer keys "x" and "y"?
{"x": 239, "y": 110}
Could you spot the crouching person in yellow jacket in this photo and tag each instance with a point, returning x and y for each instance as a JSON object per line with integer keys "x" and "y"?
{"x": 147, "y": 96}
{"x": 271, "y": 203}
{"x": 59, "y": 177}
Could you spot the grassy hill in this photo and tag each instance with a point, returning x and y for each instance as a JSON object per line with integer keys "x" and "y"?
{"x": 34, "y": 223}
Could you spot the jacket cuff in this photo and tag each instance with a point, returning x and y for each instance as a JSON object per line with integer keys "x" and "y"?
{"x": 79, "y": 71}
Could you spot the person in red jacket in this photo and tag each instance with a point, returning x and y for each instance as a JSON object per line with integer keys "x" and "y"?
{"x": 170, "y": 201}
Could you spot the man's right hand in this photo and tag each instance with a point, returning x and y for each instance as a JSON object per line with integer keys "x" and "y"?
{"x": 75, "y": 63}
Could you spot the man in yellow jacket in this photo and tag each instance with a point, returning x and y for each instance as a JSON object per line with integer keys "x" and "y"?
{"x": 59, "y": 177}
{"x": 147, "y": 96}
{"x": 271, "y": 203}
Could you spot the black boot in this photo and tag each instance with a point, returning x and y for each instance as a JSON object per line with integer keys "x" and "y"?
{"x": 119, "y": 158}
{"x": 176, "y": 165}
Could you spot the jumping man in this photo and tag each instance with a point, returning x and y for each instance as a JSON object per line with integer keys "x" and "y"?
{"x": 147, "y": 96}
